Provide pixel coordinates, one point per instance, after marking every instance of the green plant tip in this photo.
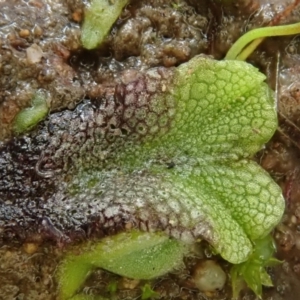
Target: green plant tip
(253, 270)
(98, 20)
(239, 50)
(29, 117)
(148, 293)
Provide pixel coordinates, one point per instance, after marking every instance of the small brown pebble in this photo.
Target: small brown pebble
(293, 219)
(37, 30)
(208, 276)
(7, 254)
(36, 3)
(209, 294)
(24, 33)
(11, 36)
(77, 15)
(129, 284)
(34, 54)
(30, 248)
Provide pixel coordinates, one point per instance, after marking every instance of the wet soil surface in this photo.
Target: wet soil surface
(40, 50)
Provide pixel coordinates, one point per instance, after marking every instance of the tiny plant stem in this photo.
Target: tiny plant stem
(258, 33)
(249, 49)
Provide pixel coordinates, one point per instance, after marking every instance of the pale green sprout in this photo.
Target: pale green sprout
(98, 20)
(243, 47)
(29, 117)
(253, 270)
(148, 292)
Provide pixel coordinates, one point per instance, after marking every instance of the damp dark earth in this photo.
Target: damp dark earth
(74, 92)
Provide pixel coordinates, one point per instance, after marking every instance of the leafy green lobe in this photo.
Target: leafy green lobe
(133, 254)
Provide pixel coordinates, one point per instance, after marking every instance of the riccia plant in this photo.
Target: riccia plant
(181, 165)
(185, 172)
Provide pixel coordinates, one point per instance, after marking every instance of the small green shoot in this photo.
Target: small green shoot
(29, 117)
(112, 287)
(98, 20)
(243, 47)
(252, 272)
(148, 292)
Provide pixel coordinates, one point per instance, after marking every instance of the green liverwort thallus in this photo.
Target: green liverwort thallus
(205, 126)
(208, 123)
